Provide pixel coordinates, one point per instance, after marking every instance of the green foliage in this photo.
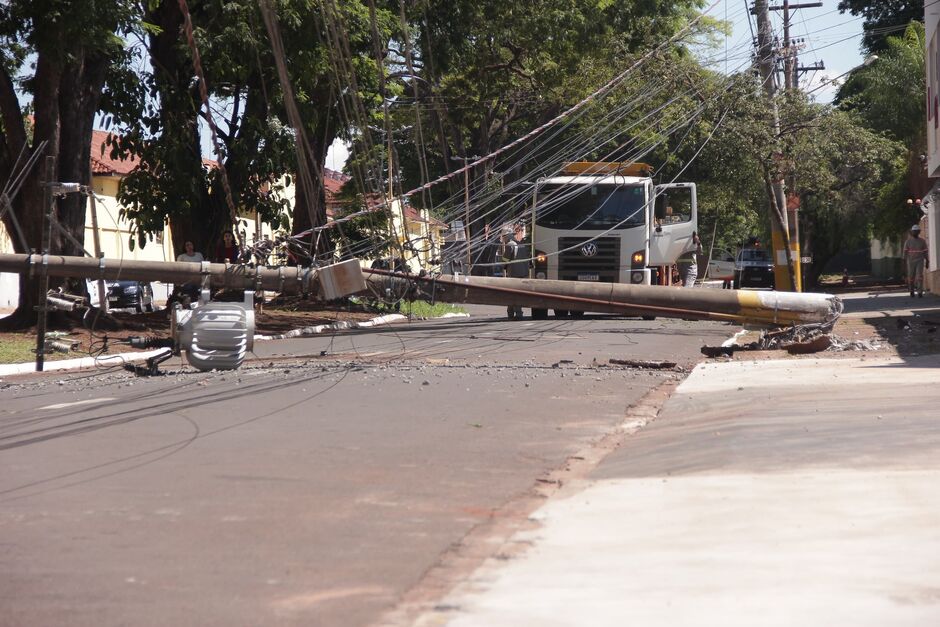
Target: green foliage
(881, 16)
(890, 94)
(365, 236)
(160, 121)
(54, 57)
(888, 97)
(418, 308)
(491, 71)
(840, 169)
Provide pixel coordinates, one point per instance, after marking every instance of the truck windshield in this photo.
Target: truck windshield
(591, 207)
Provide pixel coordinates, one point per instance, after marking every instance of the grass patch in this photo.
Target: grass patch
(417, 308)
(17, 348)
(422, 309)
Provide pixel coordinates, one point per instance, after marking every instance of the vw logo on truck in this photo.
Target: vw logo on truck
(589, 249)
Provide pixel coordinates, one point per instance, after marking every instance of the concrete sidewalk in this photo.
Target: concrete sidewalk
(777, 492)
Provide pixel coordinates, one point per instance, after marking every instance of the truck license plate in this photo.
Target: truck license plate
(589, 277)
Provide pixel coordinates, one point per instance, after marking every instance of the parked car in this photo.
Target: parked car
(721, 266)
(754, 267)
(136, 295)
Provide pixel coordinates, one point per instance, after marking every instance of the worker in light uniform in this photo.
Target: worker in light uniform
(688, 262)
(915, 253)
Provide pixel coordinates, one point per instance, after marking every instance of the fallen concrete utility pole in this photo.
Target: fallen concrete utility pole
(326, 283)
(746, 307)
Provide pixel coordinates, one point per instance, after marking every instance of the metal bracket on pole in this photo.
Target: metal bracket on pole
(204, 291)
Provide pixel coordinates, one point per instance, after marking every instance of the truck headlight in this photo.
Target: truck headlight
(539, 275)
(637, 277)
(638, 259)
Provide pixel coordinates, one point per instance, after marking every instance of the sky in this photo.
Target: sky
(827, 36)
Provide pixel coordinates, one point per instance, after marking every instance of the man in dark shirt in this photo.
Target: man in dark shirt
(227, 250)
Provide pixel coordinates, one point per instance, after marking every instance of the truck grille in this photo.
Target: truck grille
(573, 265)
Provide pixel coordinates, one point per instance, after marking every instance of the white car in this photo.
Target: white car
(721, 266)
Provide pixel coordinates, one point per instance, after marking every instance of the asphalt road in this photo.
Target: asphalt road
(327, 482)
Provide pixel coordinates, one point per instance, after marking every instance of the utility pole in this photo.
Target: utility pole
(466, 206)
(789, 56)
(785, 272)
(791, 75)
(791, 66)
(48, 199)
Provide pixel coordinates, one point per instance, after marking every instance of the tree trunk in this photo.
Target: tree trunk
(311, 212)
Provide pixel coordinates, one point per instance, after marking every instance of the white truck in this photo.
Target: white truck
(608, 222)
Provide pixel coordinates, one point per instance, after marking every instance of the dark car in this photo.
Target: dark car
(754, 267)
(136, 295)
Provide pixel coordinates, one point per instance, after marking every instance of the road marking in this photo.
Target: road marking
(76, 403)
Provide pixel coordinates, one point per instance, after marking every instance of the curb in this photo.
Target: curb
(122, 358)
(336, 326)
(81, 362)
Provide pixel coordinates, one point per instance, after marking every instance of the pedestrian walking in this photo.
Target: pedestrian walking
(688, 262)
(915, 253)
(484, 254)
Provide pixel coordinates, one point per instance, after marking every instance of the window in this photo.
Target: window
(591, 207)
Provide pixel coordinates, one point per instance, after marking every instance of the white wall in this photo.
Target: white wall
(931, 23)
(9, 282)
(932, 227)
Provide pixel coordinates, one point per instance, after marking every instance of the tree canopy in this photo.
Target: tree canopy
(57, 56)
(888, 97)
(883, 18)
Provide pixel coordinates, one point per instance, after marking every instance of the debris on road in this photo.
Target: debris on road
(815, 345)
(643, 363)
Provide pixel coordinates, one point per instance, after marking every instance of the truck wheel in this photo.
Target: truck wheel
(649, 317)
(561, 313)
(736, 282)
(539, 314)
(577, 314)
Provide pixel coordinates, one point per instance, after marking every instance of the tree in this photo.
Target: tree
(840, 169)
(486, 72)
(161, 126)
(57, 55)
(883, 18)
(888, 97)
